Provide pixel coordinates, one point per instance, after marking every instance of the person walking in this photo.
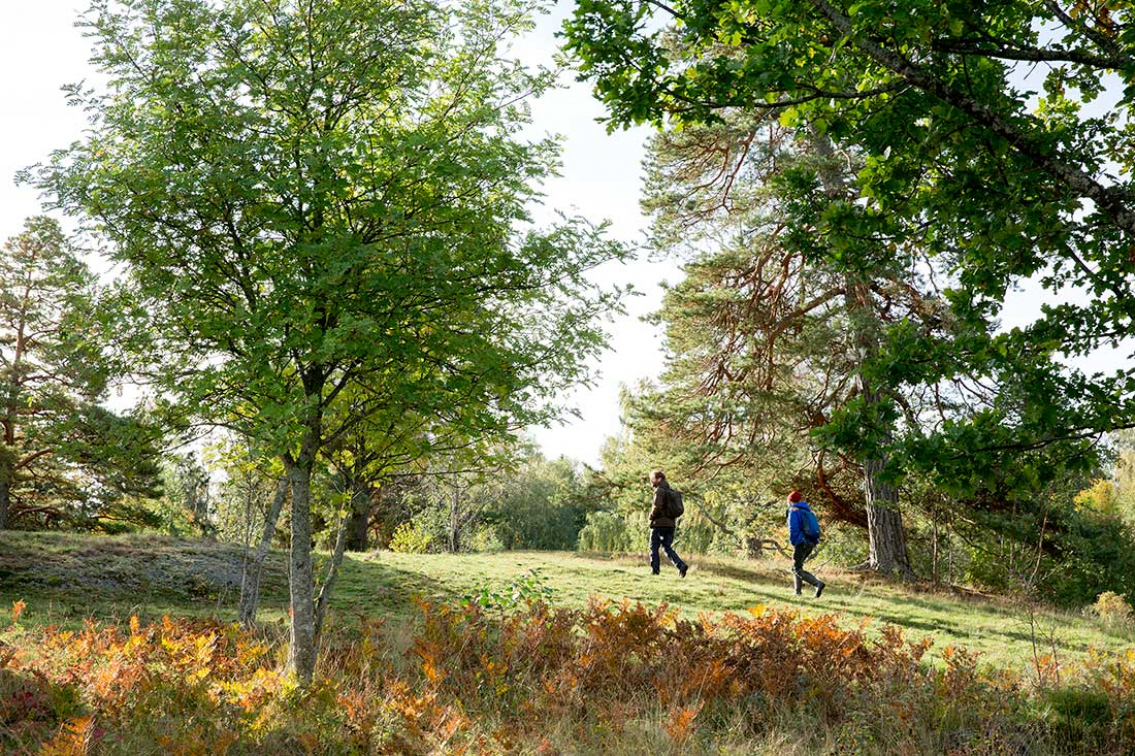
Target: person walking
(804, 534)
(663, 521)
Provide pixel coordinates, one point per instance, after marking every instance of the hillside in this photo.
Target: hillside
(65, 578)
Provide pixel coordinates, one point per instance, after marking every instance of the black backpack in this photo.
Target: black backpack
(677, 509)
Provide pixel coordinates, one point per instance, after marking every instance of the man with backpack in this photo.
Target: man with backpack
(804, 534)
(664, 516)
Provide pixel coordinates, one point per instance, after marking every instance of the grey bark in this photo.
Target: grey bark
(455, 523)
(301, 651)
(885, 533)
(329, 582)
(7, 474)
(5, 497)
(254, 567)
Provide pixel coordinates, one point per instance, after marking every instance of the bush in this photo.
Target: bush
(411, 538)
(1113, 610)
(1097, 555)
(606, 532)
(485, 538)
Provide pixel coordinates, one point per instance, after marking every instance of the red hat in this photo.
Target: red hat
(795, 496)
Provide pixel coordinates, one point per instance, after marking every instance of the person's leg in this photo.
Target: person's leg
(655, 542)
(667, 541)
(799, 554)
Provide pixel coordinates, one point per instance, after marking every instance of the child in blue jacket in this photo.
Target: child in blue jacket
(804, 534)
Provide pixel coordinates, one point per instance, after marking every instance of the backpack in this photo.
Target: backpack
(675, 506)
(809, 526)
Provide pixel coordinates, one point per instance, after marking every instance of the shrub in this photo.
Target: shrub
(605, 532)
(411, 538)
(1113, 610)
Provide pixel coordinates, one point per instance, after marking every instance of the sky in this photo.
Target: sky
(41, 50)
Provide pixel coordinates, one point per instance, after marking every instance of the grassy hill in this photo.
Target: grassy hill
(65, 578)
(398, 676)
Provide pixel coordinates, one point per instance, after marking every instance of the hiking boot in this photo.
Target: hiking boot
(682, 570)
(820, 589)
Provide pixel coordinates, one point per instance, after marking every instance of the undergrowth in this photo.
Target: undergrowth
(611, 678)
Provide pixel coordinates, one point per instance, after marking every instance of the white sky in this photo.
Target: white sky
(41, 50)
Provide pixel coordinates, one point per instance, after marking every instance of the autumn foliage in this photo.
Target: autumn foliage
(612, 678)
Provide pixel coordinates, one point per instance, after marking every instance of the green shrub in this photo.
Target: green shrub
(410, 538)
(1079, 716)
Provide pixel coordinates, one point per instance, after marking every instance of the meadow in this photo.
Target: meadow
(126, 645)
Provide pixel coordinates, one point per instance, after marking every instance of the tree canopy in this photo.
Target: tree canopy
(64, 457)
(320, 200)
(999, 172)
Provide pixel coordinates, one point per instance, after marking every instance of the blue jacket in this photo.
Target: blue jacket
(796, 523)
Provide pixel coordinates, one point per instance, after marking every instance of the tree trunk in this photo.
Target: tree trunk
(934, 552)
(358, 524)
(455, 521)
(885, 533)
(5, 492)
(301, 652)
(886, 537)
(253, 568)
(329, 582)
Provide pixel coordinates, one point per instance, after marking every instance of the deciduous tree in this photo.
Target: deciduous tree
(310, 198)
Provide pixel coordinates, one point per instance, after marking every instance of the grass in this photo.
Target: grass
(65, 578)
(424, 678)
(1002, 630)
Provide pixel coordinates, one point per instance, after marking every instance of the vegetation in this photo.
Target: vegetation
(488, 654)
(313, 223)
(56, 369)
(325, 229)
(66, 578)
(827, 171)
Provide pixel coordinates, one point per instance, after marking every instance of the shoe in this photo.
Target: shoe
(682, 570)
(652, 572)
(820, 589)
(797, 593)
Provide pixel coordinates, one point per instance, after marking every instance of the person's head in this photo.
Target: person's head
(657, 477)
(795, 497)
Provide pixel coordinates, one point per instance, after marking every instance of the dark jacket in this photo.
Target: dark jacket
(658, 516)
(796, 522)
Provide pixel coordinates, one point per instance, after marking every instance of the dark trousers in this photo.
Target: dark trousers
(664, 538)
(800, 552)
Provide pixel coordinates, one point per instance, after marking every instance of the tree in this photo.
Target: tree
(315, 201)
(766, 337)
(187, 488)
(250, 500)
(541, 505)
(63, 456)
(956, 163)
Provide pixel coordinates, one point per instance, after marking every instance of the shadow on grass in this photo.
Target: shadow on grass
(367, 584)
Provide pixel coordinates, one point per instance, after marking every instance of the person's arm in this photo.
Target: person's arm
(793, 526)
(659, 504)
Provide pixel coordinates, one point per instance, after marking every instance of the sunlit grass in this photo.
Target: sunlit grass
(65, 578)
